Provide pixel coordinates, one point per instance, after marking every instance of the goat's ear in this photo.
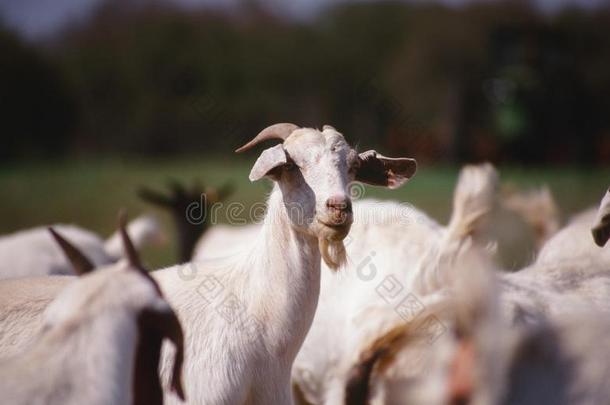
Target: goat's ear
(379, 170)
(269, 160)
(601, 229)
(80, 263)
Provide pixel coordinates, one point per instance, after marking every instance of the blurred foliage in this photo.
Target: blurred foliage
(37, 108)
(485, 81)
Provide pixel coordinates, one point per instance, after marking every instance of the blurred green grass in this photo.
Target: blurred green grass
(90, 193)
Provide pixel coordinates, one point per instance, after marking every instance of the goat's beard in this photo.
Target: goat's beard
(333, 252)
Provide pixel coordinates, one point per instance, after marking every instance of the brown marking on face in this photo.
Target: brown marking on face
(153, 327)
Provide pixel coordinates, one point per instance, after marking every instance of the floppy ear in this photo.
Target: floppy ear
(379, 170)
(267, 161)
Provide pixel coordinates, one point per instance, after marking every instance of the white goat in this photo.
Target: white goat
(481, 359)
(246, 318)
(394, 252)
(100, 341)
(32, 252)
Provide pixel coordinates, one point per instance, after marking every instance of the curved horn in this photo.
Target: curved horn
(79, 262)
(277, 131)
(130, 251)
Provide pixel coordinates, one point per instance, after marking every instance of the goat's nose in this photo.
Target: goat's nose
(340, 203)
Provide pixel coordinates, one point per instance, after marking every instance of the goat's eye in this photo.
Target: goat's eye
(290, 166)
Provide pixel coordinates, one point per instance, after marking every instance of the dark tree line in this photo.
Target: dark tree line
(487, 81)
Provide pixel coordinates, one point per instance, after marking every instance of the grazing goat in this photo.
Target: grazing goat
(100, 341)
(33, 252)
(394, 254)
(190, 210)
(246, 317)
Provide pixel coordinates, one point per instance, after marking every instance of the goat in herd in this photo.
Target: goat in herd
(404, 310)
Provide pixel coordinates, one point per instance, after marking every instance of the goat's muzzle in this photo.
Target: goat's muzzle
(338, 212)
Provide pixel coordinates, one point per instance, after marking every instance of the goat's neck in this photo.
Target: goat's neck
(93, 358)
(284, 269)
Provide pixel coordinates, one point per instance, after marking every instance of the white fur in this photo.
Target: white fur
(558, 302)
(538, 209)
(421, 256)
(571, 241)
(143, 231)
(275, 282)
(560, 360)
(85, 351)
(552, 296)
(575, 241)
(276, 287)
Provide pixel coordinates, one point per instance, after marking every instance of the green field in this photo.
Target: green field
(90, 193)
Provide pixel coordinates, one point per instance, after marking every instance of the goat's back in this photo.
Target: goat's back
(22, 304)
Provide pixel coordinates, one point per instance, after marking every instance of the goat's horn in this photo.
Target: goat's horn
(277, 131)
(130, 251)
(79, 261)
